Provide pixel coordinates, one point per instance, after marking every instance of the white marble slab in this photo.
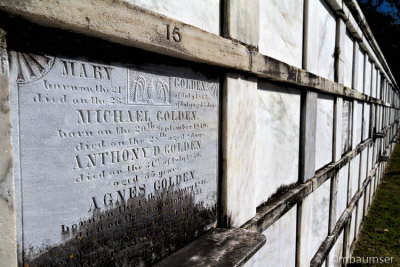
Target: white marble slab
(352, 229)
(347, 115)
(366, 121)
(324, 131)
(354, 175)
(357, 123)
(336, 252)
(360, 213)
(367, 76)
(322, 39)
(278, 135)
(370, 157)
(363, 166)
(243, 21)
(367, 198)
(240, 149)
(360, 70)
(314, 224)
(280, 248)
(374, 76)
(204, 14)
(281, 30)
(341, 197)
(378, 84)
(347, 57)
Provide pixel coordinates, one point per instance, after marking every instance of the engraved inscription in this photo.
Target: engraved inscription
(112, 156)
(174, 34)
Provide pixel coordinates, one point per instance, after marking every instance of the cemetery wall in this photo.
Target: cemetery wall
(278, 115)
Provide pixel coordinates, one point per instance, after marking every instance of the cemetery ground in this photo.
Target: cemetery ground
(380, 233)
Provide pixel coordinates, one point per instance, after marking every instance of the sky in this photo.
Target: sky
(386, 8)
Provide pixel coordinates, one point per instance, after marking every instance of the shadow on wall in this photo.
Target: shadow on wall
(136, 233)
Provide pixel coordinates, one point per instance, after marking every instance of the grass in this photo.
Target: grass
(380, 234)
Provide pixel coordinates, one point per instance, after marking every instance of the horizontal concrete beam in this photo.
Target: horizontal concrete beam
(123, 23)
(126, 24)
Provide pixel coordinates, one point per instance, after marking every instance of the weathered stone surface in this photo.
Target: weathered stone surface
(8, 245)
(280, 248)
(202, 14)
(347, 56)
(239, 147)
(278, 137)
(308, 138)
(324, 131)
(219, 247)
(347, 119)
(117, 161)
(282, 22)
(320, 39)
(242, 23)
(314, 222)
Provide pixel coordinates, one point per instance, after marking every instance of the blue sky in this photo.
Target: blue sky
(386, 8)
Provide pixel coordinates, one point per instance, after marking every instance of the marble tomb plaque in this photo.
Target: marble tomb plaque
(116, 163)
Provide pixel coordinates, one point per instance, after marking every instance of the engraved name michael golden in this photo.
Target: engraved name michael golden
(129, 116)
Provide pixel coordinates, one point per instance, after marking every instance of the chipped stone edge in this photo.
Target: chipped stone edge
(119, 22)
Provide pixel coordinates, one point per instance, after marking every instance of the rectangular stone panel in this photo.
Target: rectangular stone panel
(360, 70)
(282, 22)
(321, 39)
(202, 14)
(354, 175)
(363, 165)
(374, 76)
(280, 250)
(351, 234)
(366, 121)
(357, 123)
(336, 252)
(314, 222)
(342, 187)
(114, 162)
(239, 137)
(277, 139)
(324, 131)
(347, 57)
(360, 214)
(347, 116)
(378, 84)
(367, 76)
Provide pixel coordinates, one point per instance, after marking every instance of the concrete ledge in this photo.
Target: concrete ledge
(218, 247)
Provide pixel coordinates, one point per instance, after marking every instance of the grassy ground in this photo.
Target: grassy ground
(380, 234)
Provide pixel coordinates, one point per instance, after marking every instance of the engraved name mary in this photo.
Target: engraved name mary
(116, 163)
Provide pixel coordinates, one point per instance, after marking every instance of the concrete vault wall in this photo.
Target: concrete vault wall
(308, 117)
